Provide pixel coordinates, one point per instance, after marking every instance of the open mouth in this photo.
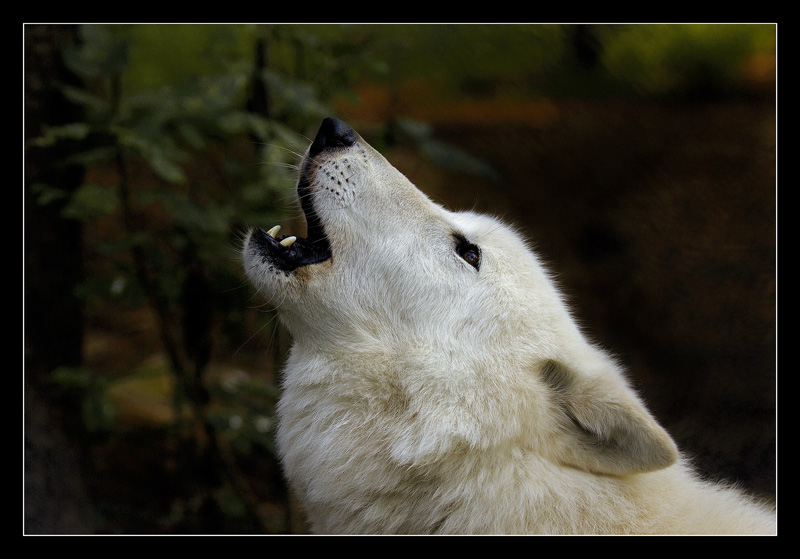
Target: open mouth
(287, 253)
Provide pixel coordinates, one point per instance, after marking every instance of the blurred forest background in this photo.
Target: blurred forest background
(641, 160)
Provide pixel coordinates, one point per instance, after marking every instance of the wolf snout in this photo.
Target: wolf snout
(332, 133)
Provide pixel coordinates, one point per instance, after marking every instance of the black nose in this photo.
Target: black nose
(332, 133)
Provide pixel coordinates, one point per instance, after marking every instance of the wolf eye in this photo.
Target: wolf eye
(471, 256)
(469, 252)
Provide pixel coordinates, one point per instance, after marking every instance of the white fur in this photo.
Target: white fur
(424, 396)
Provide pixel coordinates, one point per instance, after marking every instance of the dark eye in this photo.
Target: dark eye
(469, 252)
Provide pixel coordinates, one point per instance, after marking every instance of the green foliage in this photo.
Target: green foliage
(98, 411)
(187, 136)
(455, 52)
(679, 59)
(545, 60)
(441, 154)
(246, 412)
(91, 201)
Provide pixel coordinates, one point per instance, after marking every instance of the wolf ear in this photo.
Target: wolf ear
(606, 429)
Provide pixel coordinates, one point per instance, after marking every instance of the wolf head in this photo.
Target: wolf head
(451, 309)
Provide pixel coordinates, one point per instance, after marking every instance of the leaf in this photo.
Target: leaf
(96, 156)
(237, 122)
(86, 99)
(452, 158)
(191, 135)
(98, 409)
(160, 154)
(103, 50)
(52, 134)
(71, 377)
(45, 194)
(110, 248)
(113, 287)
(91, 201)
(164, 167)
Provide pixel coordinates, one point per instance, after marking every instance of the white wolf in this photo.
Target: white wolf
(437, 383)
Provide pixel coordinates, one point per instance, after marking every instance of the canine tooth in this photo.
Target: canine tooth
(288, 241)
(274, 231)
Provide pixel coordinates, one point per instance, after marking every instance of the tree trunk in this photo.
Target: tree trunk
(55, 500)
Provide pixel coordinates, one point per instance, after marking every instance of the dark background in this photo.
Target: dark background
(639, 159)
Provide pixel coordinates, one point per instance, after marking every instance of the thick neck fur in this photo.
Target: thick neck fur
(438, 383)
(351, 435)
